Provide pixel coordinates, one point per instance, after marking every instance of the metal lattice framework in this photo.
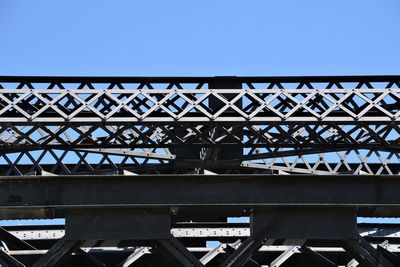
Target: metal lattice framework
(318, 125)
(146, 170)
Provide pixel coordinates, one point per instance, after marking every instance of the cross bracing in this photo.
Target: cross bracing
(92, 125)
(171, 105)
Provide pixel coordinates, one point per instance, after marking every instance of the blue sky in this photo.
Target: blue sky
(197, 38)
(218, 37)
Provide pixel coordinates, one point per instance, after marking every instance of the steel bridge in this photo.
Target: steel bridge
(147, 170)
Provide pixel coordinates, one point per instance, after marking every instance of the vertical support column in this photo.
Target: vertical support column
(208, 155)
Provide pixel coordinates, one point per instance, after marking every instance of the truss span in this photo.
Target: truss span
(94, 125)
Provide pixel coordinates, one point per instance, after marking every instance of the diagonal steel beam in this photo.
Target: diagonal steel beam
(250, 245)
(318, 257)
(57, 253)
(178, 253)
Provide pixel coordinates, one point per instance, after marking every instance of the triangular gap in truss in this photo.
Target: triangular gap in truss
(10, 85)
(175, 86)
(25, 85)
(379, 85)
(276, 85)
(98, 86)
(371, 156)
(288, 85)
(39, 86)
(350, 85)
(319, 85)
(85, 85)
(125, 86)
(334, 85)
(394, 85)
(163, 86)
(56, 86)
(115, 86)
(145, 86)
(303, 85)
(364, 85)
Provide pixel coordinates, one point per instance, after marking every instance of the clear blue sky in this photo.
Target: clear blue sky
(208, 37)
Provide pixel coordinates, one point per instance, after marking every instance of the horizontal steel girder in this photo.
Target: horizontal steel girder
(206, 190)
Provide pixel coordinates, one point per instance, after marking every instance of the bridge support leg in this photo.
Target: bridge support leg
(366, 254)
(294, 224)
(57, 253)
(177, 252)
(141, 225)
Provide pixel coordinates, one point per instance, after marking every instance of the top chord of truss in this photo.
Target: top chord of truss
(253, 99)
